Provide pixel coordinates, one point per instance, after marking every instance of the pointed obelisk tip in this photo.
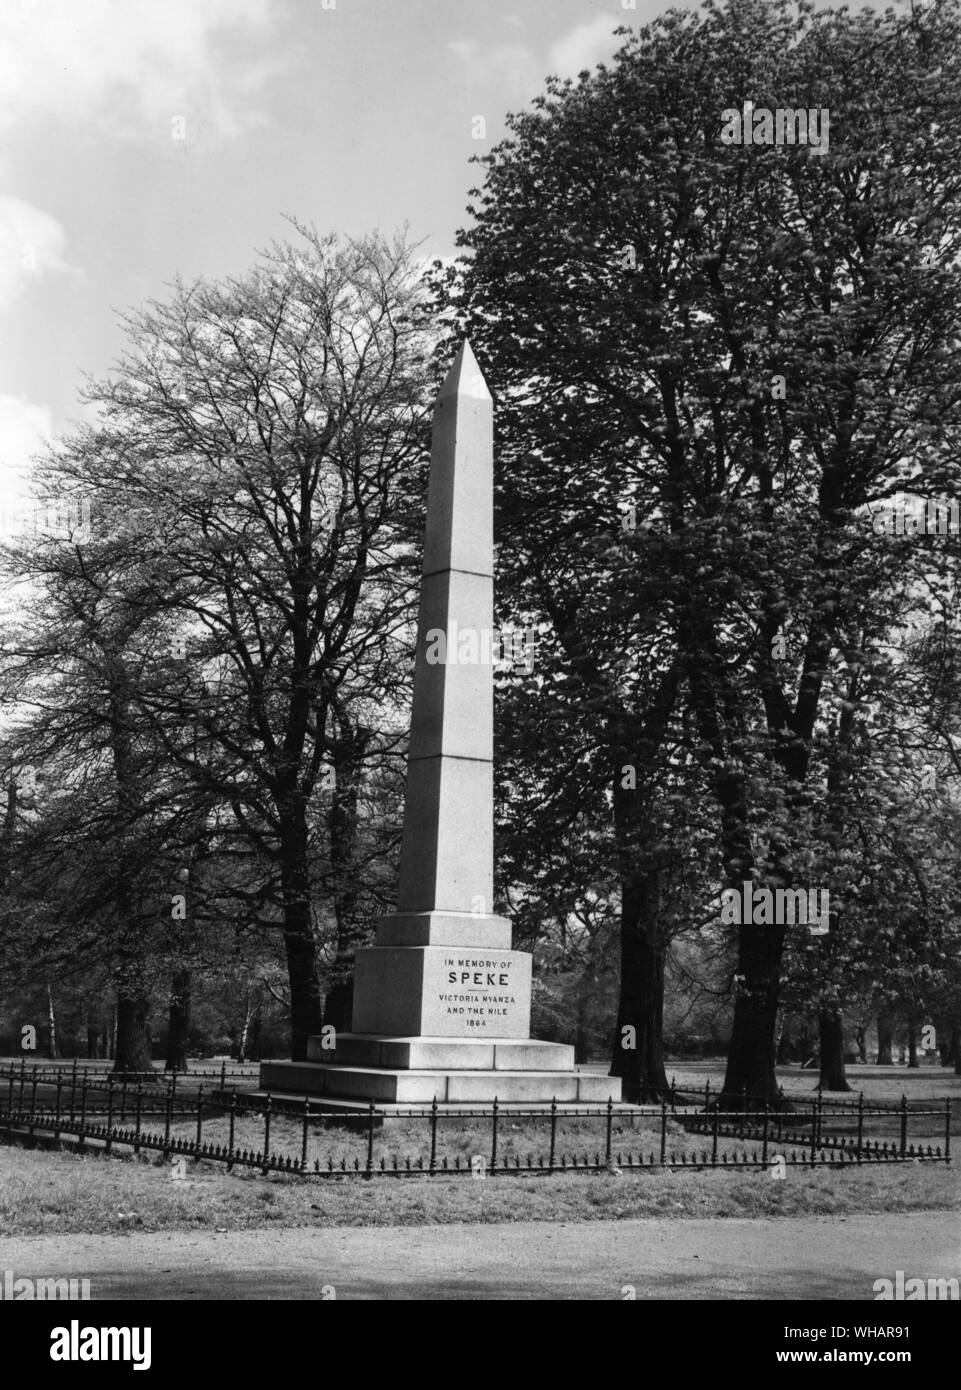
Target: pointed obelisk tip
(465, 377)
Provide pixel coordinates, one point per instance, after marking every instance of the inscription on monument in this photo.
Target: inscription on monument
(481, 989)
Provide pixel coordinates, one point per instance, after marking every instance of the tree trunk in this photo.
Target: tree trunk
(306, 1016)
(913, 1041)
(132, 1051)
(885, 1039)
(305, 1011)
(348, 756)
(957, 1047)
(750, 1070)
(582, 1030)
(242, 1045)
(52, 1021)
(339, 1006)
(257, 1028)
(178, 1023)
(639, 1055)
(862, 1042)
(750, 1077)
(831, 1049)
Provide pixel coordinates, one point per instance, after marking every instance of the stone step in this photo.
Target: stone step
(460, 930)
(441, 1054)
(397, 1086)
(359, 1109)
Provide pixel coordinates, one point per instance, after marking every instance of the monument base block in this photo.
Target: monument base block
(440, 1054)
(412, 1071)
(442, 992)
(466, 930)
(414, 1086)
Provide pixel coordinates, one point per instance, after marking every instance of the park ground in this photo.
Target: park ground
(837, 1258)
(136, 1232)
(43, 1192)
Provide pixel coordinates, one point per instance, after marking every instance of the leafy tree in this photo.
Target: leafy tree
(257, 482)
(751, 348)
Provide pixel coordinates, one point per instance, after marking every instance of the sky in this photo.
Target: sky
(146, 139)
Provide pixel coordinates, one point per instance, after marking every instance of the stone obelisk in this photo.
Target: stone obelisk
(445, 894)
(441, 1001)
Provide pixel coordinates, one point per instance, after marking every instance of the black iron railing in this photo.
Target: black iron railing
(111, 1112)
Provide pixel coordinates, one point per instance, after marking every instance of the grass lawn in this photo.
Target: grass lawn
(57, 1192)
(49, 1191)
(924, 1083)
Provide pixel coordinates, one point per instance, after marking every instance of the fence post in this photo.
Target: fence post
(553, 1132)
(814, 1132)
(136, 1133)
(123, 1097)
(610, 1126)
(764, 1137)
(947, 1130)
(663, 1131)
(56, 1106)
(494, 1138)
(200, 1117)
(714, 1136)
(23, 1078)
(223, 1076)
(166, 1147)
(33, 1102)
(73, 1087)
(230, 1139)
(109, 1144)
(369, 1169)
(303, 1139)
(819, 1107)
(707, 1094)
(10, 1091)
(433, 1136)
(83, 1109)
(267, 1106)
(904, 1124)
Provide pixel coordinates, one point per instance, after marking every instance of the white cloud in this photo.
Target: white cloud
(32, 244)
(585, 46)
(25, 429)
(126, 64)
(515, 60)
(465, 49)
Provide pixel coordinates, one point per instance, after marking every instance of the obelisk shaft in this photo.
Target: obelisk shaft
(442, 965)
(447, 854)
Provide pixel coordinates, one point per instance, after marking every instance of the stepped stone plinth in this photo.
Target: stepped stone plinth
(442, 1003)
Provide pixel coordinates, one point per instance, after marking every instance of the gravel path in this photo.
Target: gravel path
(788, 1258)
